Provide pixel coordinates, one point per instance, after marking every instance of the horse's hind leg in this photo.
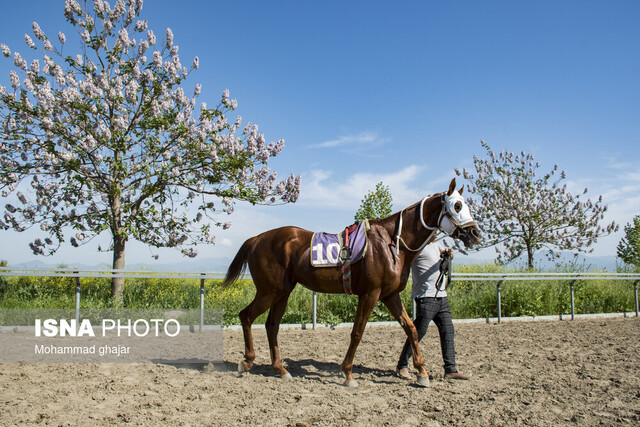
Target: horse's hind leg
(259, 305)
(273, 326)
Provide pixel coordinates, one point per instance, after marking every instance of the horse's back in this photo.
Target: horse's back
(288, 236)
(279, 247)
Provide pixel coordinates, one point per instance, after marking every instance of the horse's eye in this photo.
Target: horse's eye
(457, 207)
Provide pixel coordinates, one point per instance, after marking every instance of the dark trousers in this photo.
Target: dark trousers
(438, 310)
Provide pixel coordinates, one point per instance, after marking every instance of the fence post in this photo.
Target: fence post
(202, 302)
(315, 309)
(499, 302)
(77, 297)
(635, 294)
(573, 304)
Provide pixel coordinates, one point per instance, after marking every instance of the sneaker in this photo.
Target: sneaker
(403, 373)
(456, 376)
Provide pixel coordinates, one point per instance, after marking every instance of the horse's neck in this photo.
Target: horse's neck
(390, 224)
(413, 233)
(413, 230)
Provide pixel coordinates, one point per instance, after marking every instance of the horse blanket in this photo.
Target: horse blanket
(327, 249)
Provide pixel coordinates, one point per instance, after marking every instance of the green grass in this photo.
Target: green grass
(468, 299)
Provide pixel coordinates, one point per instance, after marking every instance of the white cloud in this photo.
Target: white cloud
(619, 184)
(327, 190)
(359, 140)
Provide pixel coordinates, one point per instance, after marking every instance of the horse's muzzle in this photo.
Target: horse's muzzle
(470, 235)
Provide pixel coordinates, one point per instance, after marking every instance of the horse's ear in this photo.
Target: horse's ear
(461, 190)
(452, 187)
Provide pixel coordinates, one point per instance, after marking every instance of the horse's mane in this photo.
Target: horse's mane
(390, 222)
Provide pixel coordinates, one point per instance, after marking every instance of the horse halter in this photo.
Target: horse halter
(458, 214)
(454, 214)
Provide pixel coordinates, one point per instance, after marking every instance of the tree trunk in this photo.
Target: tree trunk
(530, 256)
(117, 283)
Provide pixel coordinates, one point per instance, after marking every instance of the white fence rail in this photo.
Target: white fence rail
(499, 278)
(110, 274)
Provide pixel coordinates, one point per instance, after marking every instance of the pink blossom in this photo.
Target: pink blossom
(119, 9)
(157, 59)
(35, 66)
(19, 62)
(29, 42)
(123, 37)
(37, 31)
(15, 80)
(141, 26)
(151, 37)
(169, 38)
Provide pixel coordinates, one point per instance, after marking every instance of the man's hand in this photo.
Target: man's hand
(447, 251)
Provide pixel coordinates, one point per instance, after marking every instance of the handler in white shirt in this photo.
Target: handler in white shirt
(431, 304)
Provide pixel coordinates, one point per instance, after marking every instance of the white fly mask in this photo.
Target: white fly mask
(454, 214)
(457, 214)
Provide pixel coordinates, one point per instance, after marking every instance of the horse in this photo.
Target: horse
(279, 259)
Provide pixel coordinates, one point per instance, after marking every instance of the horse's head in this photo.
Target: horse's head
(456, 220)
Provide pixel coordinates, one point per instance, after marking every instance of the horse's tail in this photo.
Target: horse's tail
(239, 263)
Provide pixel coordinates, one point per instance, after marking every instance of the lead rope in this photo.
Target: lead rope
(434, 230)
(445, 269)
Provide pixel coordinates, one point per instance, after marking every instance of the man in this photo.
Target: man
(432, 304)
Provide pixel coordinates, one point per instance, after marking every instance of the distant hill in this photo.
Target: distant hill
(203, 265)
(597, 263)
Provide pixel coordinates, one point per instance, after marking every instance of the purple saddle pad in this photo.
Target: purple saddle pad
(325, 247)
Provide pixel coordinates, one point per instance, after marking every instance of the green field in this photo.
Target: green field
(468, 299)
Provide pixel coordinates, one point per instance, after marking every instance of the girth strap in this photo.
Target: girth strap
(345, 259)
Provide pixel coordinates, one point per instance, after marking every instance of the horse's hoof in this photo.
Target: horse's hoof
(351, 384)
(242, 368)
(286, 376)
(423, 381)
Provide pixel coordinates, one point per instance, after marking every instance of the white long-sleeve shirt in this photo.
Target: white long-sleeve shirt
(425, 270)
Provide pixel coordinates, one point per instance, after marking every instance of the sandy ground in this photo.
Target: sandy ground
(582, 372)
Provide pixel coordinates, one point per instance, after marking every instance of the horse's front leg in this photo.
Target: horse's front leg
(366, 303)
(395, 306)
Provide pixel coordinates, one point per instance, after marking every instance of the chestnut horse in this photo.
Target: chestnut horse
(279, 259)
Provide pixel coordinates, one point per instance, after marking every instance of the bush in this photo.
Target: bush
(230, 299)
(161, 293)
(613, 297)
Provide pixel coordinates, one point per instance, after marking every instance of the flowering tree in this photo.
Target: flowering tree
(628, 249)
(376, 204)
(521, 213)
(108, 140)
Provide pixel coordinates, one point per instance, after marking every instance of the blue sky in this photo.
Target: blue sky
(399, 92)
